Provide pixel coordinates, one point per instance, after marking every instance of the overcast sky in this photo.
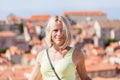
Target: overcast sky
(26, 8)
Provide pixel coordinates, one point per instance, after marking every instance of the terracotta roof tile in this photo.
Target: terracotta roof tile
(102, 78)
(30, 56)
(37, 17)
(15, 18)
(25, 19)
(110, 23)
(85, 13)
(100, 67)
(40, 17)
(16, 72)
(7, 34)
(92, 60)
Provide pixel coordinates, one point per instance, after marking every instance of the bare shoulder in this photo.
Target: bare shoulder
(78, 52)
(40, 55)
(78, 55)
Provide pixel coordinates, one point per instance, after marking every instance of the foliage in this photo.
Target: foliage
(3, 50)
(20, 27)
(109, 41)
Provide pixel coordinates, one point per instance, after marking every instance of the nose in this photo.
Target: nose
(59, 32)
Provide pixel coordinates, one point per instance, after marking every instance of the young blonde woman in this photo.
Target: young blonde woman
(65, 60)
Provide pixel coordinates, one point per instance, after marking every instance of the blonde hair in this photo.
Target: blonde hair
(66, 26)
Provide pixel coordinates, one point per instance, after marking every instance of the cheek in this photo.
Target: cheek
(64, 36)
(51, 37)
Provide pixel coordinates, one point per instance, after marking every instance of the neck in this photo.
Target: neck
(57, 48)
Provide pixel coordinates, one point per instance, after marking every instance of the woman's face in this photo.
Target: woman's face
(58, 34)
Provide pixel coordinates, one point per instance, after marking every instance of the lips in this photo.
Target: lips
(58, 39)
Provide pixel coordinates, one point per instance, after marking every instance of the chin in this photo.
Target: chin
(60, 44)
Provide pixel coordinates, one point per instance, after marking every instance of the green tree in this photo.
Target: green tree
(109, 41)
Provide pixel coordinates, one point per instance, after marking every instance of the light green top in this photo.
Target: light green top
(65, 67)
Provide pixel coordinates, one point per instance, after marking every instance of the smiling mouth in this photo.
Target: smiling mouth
(59, 39)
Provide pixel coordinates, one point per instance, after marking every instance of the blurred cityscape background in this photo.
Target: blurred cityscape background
(95, 28)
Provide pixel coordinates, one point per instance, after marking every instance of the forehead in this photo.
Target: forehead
(57, 24)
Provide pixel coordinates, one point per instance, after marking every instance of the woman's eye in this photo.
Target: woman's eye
(62, 31)
(55, 30)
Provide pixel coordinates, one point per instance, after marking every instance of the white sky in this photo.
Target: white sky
(26, 8)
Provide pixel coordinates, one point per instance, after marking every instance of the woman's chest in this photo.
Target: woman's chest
(61, 66)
